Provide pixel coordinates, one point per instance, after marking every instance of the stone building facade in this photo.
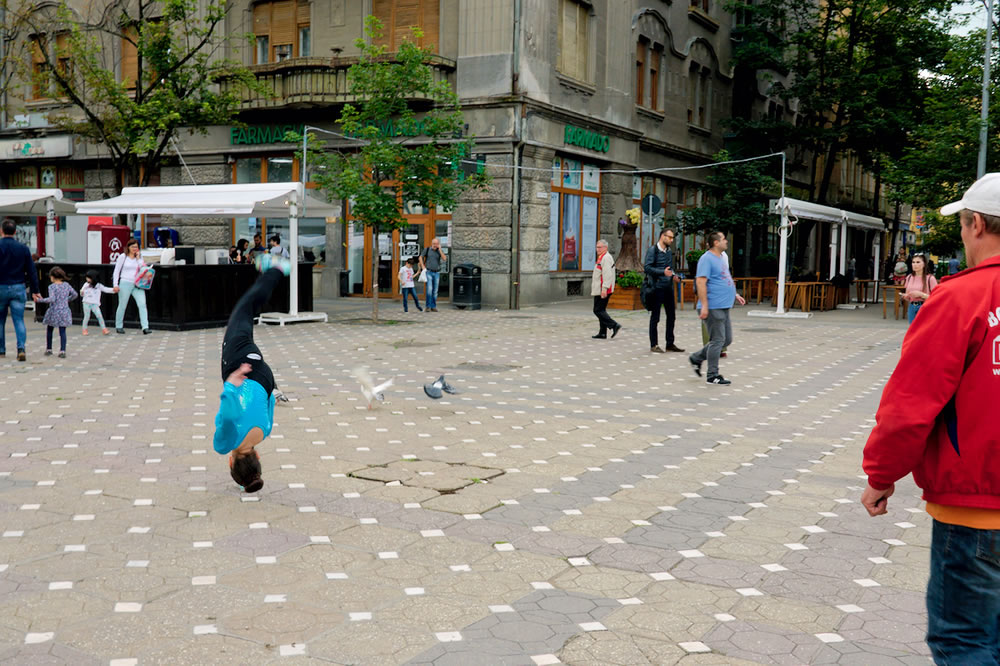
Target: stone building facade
(577, 108)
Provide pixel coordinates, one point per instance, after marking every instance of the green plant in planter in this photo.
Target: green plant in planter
(629, 279)
(693, 256)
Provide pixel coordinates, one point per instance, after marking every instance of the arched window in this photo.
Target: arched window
(700, 84)
(650, 61)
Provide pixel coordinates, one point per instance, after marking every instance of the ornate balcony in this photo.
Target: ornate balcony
(310, 82)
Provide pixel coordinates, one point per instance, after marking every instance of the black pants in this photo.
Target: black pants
(238, 346)
(601, 310)
(662, 297)
(62, 338)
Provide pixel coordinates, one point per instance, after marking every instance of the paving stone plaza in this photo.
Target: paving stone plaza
(579, 502)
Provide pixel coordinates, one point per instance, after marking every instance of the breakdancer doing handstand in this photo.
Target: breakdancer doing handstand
(246, 406)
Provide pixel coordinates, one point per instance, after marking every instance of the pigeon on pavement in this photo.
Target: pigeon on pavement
(434, 389)
(369, 390)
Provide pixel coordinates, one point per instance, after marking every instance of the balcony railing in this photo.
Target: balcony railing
(309, 82)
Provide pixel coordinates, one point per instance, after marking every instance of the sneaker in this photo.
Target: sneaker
(718, 379)
(3, 354)
(20, 356)
(656, 350)
(615, 330)
(266, 262)
(600, 337)
(120, 331)
(62, 354)
(673, 348)
(695, 366)
(147, 331)
(48, 352)
(104, 331)
(85, 332)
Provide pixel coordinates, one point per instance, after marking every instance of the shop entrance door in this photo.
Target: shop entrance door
(394, 248)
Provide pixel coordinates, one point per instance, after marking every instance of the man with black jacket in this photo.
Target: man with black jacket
(16, 270)
(659, 267)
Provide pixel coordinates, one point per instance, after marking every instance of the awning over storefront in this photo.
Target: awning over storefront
(806, 210)
(247, 200)
(278, 200)
(34, 202)
(863, 221)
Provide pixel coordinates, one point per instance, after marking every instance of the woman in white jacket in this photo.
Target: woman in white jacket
(127, 269)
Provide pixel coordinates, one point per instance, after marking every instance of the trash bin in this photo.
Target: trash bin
(466, 287)
(345, 283)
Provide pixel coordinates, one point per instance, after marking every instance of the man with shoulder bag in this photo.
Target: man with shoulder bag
(659, 268)
(432, 259)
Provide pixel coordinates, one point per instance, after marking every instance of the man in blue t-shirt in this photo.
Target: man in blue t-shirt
(716, 293)
(246, 405)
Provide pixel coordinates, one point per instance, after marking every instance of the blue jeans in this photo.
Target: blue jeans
(433, 279)
(911, 312)
(126, 289)
(12, 297)
(410, 291)
(963, 595)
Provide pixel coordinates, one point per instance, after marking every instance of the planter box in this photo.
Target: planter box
(625, 298)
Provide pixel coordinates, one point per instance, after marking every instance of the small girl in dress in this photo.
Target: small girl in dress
(58, 314)
(91, 295)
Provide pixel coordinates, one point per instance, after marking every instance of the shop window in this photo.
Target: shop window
(398, 16)
(271, 169)
(574, 52)
(573, 215)
(281, 31)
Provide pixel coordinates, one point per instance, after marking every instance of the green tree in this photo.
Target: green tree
(420, 159)
(853, 70)
(736, 201)
(178, 46)
(944, 234)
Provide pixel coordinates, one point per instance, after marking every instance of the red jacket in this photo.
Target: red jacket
(936, 417)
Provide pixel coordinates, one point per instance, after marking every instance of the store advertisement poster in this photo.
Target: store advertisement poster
(589, 232)
(591, 178)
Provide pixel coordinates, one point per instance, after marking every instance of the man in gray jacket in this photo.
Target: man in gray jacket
(659, 267)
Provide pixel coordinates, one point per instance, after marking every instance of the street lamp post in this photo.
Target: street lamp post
(985, 111)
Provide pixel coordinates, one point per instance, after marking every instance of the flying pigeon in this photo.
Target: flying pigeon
(433, 390)
(368, 388)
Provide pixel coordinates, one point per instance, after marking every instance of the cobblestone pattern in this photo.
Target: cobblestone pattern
(580, 501)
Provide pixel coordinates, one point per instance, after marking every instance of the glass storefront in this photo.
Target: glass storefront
(574, 211)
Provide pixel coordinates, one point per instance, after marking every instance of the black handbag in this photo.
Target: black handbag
(646, 292)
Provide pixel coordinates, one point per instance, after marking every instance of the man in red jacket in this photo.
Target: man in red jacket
(937, 420)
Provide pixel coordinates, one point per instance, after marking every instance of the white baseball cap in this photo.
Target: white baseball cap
(982, 197)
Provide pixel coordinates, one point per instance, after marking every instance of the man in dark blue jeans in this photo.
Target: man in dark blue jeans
(16, 269)
(937, 420)
(659, 267)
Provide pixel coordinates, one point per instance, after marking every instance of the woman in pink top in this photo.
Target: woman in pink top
(918, 285)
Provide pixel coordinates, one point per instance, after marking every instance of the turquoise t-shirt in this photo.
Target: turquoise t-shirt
(242, 408)
(721, 288)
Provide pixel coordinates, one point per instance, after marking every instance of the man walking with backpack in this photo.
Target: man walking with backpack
(659, 267)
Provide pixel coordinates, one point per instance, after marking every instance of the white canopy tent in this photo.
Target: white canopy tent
(277, 200)
(47, 202)
(791, 210)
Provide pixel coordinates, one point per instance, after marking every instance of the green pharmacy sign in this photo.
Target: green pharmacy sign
(576, 136)
(255, 135)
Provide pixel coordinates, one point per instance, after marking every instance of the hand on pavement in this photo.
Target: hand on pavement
(237, 377)
(877, 501)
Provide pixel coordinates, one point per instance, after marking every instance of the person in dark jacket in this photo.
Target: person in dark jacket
(659, 266)
(16, 270)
